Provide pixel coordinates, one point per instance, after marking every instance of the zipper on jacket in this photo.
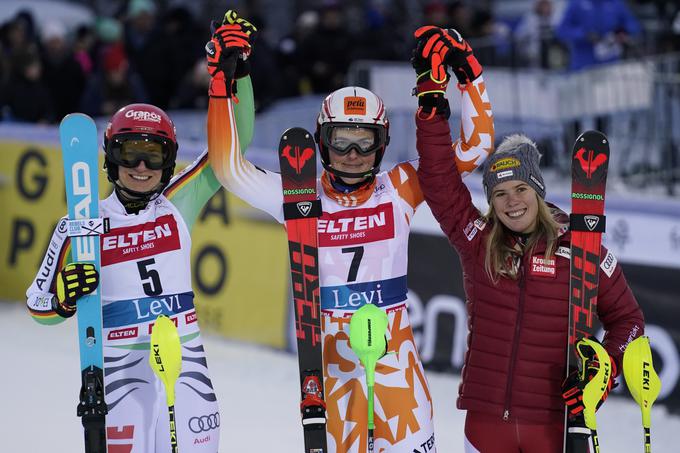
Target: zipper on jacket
(515, 343)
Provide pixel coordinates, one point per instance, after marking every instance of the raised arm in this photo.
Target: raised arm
(442, 161)
(191, 189)
(258, 187)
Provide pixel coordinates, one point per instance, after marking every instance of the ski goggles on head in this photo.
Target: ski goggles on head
(156, 152)
(364, 139)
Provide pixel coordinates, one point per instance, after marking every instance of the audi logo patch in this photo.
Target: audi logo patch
(204, 423)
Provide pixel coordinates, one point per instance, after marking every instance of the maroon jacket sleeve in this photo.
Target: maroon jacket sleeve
(441, 183)
(617, 308)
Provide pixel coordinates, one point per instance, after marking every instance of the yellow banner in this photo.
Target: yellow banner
(239, 259)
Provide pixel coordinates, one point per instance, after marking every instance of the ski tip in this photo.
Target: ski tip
(296, 132)
(591, 136)
(77, 121)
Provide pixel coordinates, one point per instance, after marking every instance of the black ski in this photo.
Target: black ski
(590, 159)
(301, 208)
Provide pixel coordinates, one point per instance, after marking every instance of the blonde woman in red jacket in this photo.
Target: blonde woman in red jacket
(515, 261)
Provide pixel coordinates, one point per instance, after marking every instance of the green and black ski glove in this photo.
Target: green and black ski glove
(74, 281)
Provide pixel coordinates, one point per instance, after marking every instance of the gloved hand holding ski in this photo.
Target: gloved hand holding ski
(74, 281)
(598, 371)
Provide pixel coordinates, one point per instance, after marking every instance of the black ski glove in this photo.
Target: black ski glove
(447, 46)
(573, 385)
(432, 78)
(74, 281)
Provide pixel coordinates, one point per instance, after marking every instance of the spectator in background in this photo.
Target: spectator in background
(26, 97)
(325, 53)
(192, 92)
(140, 24)
(668, 38)
(490, 38)
(16, 36)
(436, 13)
(289, 55)
(162, 47)
(19, 34)
(115, 85)
(380, 38)
(596, 31)
(83, 47)
(63, 75)
(535, 41)
(263, 62)
(141, 33)
(460, 17)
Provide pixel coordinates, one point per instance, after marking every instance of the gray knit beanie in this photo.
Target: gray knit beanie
(516, 158)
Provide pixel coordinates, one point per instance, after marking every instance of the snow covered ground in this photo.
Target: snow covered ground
(256, 388)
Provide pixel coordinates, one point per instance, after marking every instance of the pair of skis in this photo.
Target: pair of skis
(80, 153)
(590, 159)
(301, 208)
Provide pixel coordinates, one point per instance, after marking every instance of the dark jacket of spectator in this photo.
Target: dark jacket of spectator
(26, 96)
(113, 87)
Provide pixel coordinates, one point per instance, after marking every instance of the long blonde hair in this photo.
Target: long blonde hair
(501, 255)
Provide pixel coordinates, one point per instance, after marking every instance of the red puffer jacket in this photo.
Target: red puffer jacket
(515, 362)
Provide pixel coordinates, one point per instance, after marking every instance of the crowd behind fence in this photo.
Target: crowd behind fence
(635, 102)
(152, 51)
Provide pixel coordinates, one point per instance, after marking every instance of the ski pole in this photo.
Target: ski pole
(642, 381)
(166, 362)
(367, 339)
(595, 387)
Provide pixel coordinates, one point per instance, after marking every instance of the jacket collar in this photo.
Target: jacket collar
(350, 199)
